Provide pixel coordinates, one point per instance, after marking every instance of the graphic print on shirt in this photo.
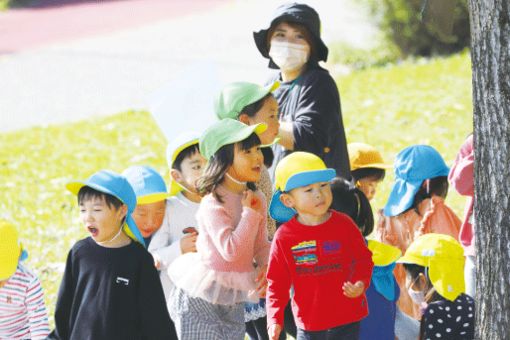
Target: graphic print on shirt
(305, 253)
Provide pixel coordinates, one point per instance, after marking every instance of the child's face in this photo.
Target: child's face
(100, 220)
(191, 169)
(368, 185)
(314, 199)
(247, 164)
(268, 114)
(149, 217)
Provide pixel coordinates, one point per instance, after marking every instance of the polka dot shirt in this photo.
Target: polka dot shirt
(446, 319)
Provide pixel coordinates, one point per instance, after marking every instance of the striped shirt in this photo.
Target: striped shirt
(22, 311)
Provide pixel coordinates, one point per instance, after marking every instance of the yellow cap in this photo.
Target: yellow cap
(383, 254)
(363, 155)
(10, 250)
(296, 170)
(176, 146)
(444, 258)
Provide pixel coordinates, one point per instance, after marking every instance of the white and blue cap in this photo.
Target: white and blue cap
(296, 170)
(147, 183)
(413, 165)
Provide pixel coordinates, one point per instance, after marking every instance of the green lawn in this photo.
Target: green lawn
(425, 101)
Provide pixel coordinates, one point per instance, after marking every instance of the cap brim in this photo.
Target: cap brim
(383, 254)
(374, 165)
(278, 211)
(305, 178)
(410, 259)
(152, 198)
(401, 197)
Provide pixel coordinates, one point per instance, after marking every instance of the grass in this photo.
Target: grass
(425, 101)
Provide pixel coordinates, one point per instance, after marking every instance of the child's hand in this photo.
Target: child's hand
(274, 331)
(261, 281)
(353, 290)
(251, 200)
(157, 261)
(188, 243)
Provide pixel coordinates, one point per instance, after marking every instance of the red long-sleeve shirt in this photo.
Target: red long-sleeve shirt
(316, 261)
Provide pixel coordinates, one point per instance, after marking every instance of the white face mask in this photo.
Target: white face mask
(418, 297)
(288, 56)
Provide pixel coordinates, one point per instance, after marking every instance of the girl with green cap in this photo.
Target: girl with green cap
(212, 285)
(253, 104)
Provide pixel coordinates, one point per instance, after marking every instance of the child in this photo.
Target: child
(416, 206)
(110, 288)
(316, 251)
(22, 311)
(213, 284)
(384, 321)
(151, 194)
(178, 234)
(434, 266)
(252, 104)
(461, 177)
(367, 167)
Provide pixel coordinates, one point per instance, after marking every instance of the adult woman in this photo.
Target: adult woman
(310, 114)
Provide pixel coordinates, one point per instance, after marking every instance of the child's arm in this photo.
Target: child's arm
(37, 314)
(361, 262)
(278, 285)
(262, 244)
(163, 248)
(154, 319)
(64, 302)
(230, 240)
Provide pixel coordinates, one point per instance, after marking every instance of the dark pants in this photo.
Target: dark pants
(289, 325)
(347, 332)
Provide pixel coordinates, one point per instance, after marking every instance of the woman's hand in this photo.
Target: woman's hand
(353, 290)
(274, 331)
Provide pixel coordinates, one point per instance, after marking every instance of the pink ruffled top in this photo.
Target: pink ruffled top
(231, 239)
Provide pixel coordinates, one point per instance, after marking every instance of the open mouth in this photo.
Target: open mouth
(93, 231)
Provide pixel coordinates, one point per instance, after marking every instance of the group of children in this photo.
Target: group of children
(215, 267)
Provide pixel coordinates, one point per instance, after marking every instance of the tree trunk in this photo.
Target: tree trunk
(490, 55)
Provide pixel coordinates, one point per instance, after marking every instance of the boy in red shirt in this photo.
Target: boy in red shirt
(318, 252)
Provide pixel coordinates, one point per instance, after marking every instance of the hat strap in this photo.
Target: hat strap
(235, 180)
(113, 238)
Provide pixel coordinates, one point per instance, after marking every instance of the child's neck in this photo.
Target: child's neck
(121, 241)
(233, 186)
(192, 196)
(313, 220)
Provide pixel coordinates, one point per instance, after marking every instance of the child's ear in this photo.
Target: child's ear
(176, 175)
(287, 200)
(123, 210)
(243, 118)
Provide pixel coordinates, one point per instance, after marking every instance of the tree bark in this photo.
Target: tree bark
(490, 55)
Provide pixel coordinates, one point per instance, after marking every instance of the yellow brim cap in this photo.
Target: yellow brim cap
(383, 254)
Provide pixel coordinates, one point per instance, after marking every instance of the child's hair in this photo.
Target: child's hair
(352, 202)
(251, 109)
(86, 193)
(219, 164)
(375, 173)
(438, 186)
(185, 153)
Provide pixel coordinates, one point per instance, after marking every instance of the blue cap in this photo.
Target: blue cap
(110, 182)
(413, 165)
(147, 183)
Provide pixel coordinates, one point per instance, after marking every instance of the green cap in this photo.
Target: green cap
(224, 132)
(236, 96)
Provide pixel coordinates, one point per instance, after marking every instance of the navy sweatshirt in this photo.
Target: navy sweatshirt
(312, 103)
(110, 293)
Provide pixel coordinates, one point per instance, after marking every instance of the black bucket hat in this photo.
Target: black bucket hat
(299, 14)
